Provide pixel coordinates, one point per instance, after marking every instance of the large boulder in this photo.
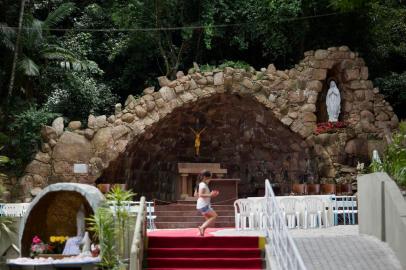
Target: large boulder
(103, 139)
(72, 147)
(58, 125)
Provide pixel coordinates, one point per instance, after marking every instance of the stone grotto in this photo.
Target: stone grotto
(258, 124)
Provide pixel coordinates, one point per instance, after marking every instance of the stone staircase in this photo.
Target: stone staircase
(184, 215)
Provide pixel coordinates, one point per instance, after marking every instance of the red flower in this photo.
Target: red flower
(36, 240)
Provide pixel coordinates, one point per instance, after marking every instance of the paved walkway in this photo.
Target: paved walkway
(341, 247)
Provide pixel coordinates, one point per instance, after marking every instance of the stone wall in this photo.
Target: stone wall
(288, 100)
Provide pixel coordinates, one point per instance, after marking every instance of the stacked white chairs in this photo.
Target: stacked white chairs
(291, 212)
(259, 208)
(314, 207)
(244, 214)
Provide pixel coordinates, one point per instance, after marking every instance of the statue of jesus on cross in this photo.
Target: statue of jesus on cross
(197, 139)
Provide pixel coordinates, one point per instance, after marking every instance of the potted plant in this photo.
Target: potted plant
(328, 187)
(39, 247)
(110, 226)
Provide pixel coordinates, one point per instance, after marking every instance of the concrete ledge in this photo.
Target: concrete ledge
(382, 211)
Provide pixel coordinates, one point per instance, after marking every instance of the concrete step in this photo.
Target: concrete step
(178, 225)
(177, 219)
(191, 213)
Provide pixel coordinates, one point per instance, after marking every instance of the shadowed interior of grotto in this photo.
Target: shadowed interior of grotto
(54, 214)
(239, 133)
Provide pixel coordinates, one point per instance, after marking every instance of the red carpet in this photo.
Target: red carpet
(210, 252)
(182, 232)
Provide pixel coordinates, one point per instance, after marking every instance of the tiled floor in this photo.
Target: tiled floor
(342, 248)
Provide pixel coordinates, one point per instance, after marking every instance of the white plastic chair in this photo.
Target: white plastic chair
(314, 207)
(151, 217)
(259, 209)
(243, 214)
(291, 214)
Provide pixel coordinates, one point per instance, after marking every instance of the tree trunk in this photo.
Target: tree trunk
(16, 49)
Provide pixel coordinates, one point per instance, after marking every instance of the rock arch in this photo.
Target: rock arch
(290, 95)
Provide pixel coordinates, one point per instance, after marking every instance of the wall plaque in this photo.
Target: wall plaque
(80, 168)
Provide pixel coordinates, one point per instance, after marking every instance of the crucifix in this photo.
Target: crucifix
(197, 139)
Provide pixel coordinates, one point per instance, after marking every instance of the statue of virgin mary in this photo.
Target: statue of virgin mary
(333, 101)
(72, 245)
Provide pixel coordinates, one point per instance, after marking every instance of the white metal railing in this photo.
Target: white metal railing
(344, 209)
(284, 253)
(137, 246)
(133, 207)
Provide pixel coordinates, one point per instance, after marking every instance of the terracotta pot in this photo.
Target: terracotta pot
(346, 189)
(122, 186)
(299, 189)
(328, 188)
(313, 189)
(104, 188)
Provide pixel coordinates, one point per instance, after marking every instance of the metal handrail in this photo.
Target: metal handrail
(137, 246)
(284, 251)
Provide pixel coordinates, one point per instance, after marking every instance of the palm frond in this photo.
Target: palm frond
(7, 36)
(6, 227)
(59, 14)
(32, 34)
(57, 53)
(82, 65)
(4, 159)
(28, 67)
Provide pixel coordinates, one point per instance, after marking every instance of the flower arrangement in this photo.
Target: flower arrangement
(329, 127)
(39, 247)
(58, 242)
(58, 239)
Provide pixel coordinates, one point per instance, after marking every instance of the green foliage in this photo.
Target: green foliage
(102, 226)
(3, 160)
(111, 227)
(37, 48)
(226, 63)
(376, 166)
(393, 87)
(235, 64)
(386, 38)
(25, 132)
(7, 228)
(394, 159)
(349, 5)
(395, 156)
(78, 96)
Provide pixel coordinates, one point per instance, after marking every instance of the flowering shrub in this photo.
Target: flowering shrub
(329, 127)
(39, 247)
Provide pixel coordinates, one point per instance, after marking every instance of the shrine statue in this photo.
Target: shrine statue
(333, 102)
(86, 242)
(197, 140)
(73, 243)
(375, 156)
